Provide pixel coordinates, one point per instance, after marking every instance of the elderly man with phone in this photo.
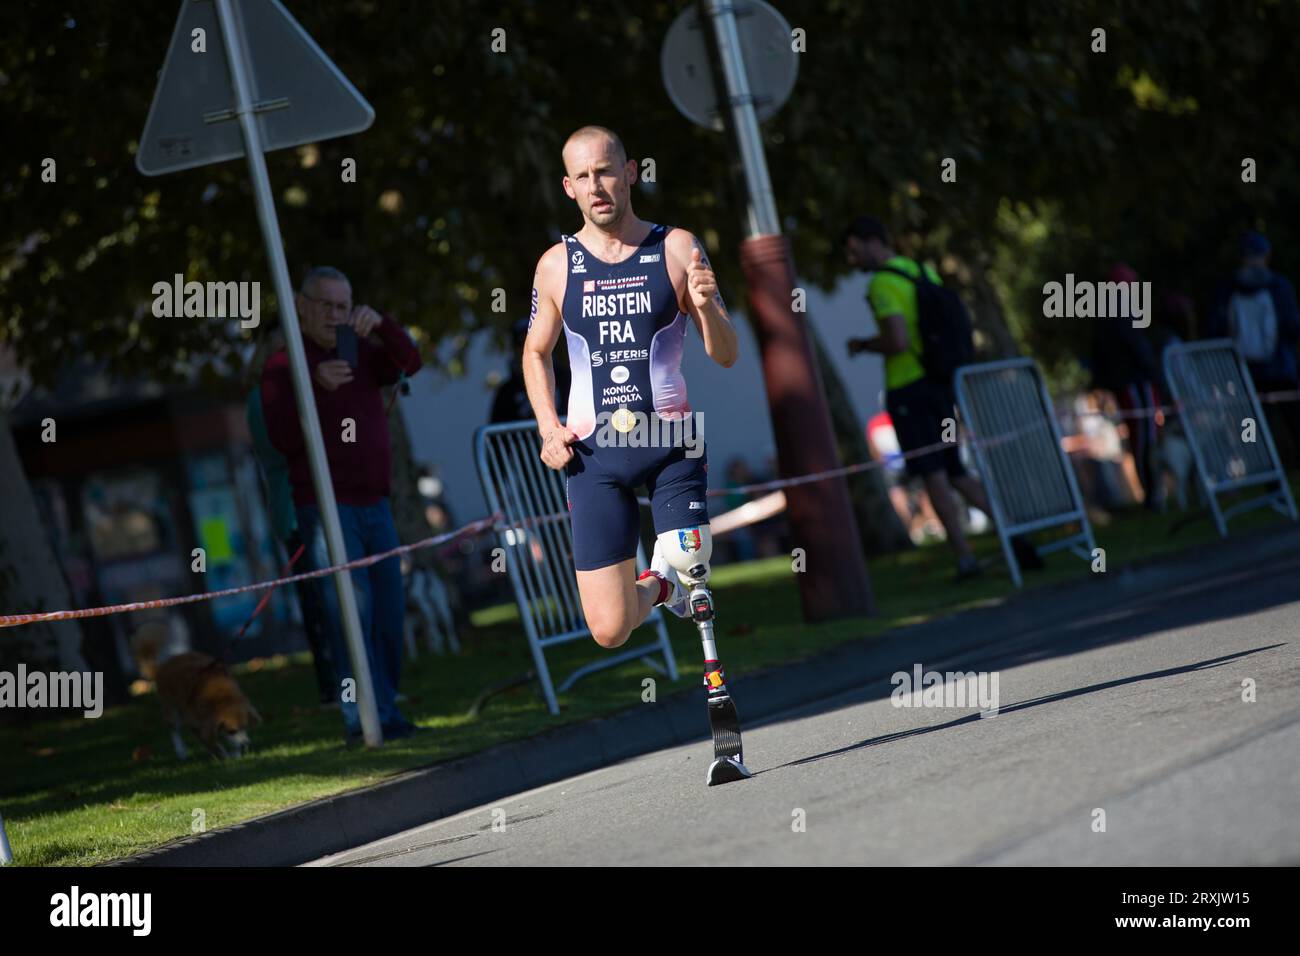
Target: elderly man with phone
(352, 352)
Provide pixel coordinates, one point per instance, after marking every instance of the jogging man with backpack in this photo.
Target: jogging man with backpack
(1256, 308)
(925, 335)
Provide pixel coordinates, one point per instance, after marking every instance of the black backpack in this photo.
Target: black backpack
(946, 339)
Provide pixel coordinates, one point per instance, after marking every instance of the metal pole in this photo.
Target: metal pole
(762, 203)
(836, 583)
(232, 35)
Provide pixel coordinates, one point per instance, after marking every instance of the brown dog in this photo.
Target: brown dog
(196, 691)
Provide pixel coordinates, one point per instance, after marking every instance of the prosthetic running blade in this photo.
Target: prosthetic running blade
(728, 753)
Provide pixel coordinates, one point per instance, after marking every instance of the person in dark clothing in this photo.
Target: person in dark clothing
(284, 524)
(354, 427)
(510, 402)
(1126, 364)
(917, 405)
(1256, 308)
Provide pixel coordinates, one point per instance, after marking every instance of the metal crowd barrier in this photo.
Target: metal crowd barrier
(1212, 388)
(538, 543)
(1027, 476)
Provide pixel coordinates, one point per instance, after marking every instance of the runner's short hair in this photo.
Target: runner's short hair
(585, 131)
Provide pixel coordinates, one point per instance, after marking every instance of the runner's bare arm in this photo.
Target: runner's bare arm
(698, 296)
(544, 326)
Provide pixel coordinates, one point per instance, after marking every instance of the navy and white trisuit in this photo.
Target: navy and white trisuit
(625, 334)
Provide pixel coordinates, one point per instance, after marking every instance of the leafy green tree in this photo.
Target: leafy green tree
(1067, 158)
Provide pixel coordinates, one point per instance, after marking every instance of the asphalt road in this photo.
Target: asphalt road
(1135, 709)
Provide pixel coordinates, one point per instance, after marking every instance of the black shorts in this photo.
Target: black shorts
(918, 411)
(601, 488)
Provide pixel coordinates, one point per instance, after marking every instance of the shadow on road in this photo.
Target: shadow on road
(1022, 705)
(1061, 623)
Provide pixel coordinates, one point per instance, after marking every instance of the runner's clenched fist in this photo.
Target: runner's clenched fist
(555, 447)
(701, 281)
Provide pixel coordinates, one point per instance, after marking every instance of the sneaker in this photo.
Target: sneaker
(970, 568)
(676, 602)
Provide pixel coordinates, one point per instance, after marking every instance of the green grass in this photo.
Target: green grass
(79, 792)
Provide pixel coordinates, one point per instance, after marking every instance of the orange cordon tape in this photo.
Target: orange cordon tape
(490, 523)
(778, 483)
(475, 527)
(14, 620)
(1149, 411)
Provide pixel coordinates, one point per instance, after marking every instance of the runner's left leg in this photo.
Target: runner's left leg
(613, 603)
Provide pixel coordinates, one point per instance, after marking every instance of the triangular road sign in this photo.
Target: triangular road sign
(299, 95)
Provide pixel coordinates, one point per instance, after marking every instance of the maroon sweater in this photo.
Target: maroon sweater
(360, 469)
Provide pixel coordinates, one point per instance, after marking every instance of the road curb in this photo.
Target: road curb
(415, 797)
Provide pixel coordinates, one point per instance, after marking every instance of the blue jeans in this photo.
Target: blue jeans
(381, 600)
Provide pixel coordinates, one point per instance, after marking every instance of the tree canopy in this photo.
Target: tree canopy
(1066, 158)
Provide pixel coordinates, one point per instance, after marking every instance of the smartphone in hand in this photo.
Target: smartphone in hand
(345, 346)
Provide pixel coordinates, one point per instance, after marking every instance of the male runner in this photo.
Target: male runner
(621, 289)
